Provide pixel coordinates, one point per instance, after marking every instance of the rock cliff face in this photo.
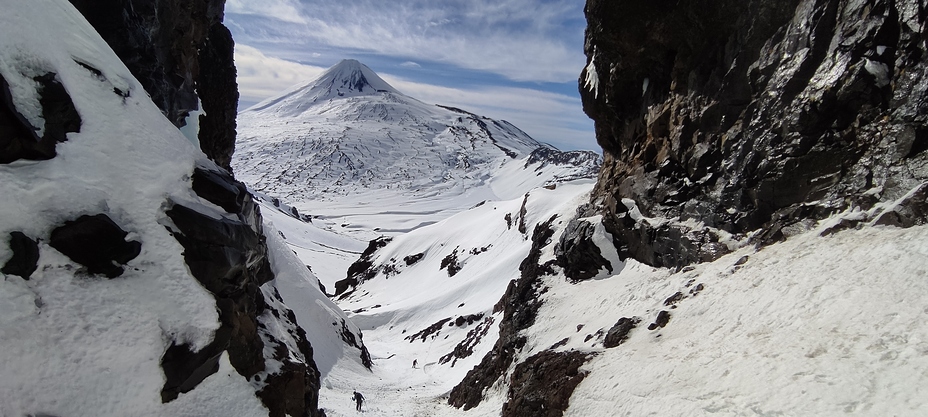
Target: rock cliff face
(63, 107)
(180, 52)
(744, 121)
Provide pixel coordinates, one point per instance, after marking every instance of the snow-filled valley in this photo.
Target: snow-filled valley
(811, 326)
(819, 324)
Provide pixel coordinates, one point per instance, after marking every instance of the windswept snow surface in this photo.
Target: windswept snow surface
(810, 326)
(352, 149)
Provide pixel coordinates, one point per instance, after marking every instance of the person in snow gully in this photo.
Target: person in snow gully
(358, 399)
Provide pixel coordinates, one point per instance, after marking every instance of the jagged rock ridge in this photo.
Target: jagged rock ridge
(182, 54)
(136, 267)
(746, 120)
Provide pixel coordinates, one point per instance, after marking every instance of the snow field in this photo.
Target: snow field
(810, 326)
(422, 294)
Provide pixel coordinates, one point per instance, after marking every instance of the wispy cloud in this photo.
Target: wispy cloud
(284, 10)
(546, 116)
(522, 40)
(261, 76)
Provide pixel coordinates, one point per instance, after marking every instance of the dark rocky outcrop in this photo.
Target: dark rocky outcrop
(519, 304)
(179, 51)
(663, 317)
(25, 259)
(751, 116)
(349, 338)
(412, 259)
(451, 262)
(228, 256)
(363, 269)
(19, 139)
(618, 334)
(589, 162)
(577, 254)
(96, 242)
(466, 347)
(541, 386)
(218, 90)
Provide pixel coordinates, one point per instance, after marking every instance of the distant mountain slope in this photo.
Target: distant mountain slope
(350, 132)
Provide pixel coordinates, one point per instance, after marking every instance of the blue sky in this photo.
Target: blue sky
(516, 60)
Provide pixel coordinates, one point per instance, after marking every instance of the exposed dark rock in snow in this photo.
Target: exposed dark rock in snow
(432, 331)
(577, 254)
(466, 347)
(618, 334)
(218, 92)
(222, 190)
(451, 263)
(229, 257)
(96, 242)
(674, 299)
(361, 270)
(589, 162)
(412, 259)
(19, 139)
(25, 256)
(541, 386)
(178, 50)
(520, 305)
(751, 116)
(349, 338)
(908, 211)
(663, 317)
(467, 320)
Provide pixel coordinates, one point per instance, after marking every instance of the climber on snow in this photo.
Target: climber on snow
(358, 399)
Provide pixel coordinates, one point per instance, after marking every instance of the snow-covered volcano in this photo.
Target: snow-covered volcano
(349, 139)
(348, 78)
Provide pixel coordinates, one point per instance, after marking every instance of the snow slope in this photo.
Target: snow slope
(348, 144)
(78, 344)
(810, 326)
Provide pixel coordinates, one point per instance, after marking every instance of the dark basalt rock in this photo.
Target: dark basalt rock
(541, 386)
(618, 334)
(25, 258)
(466, 347)
(412, 259)
(590, 161)
(96, 242)
(218, 91)
(751, 117)
(19, 139)
(294, 390)
(228, 256)
(910, 210)
(451, 263)
(663, 317)
(177, 50)
(219, 251)
(184, 369)
(363, 269)
(349, 338)
(520, 305)
(220, 188)
(577, 254)
(432, 331)
(229, 259)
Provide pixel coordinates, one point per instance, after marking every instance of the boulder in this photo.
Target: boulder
(96, 242)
